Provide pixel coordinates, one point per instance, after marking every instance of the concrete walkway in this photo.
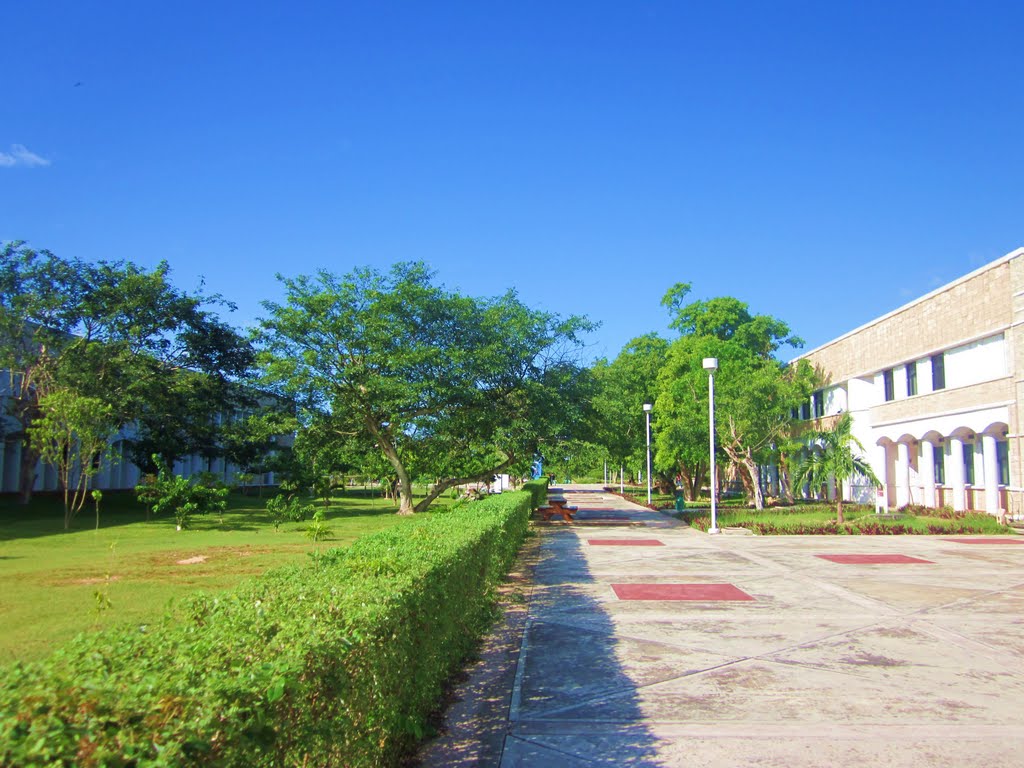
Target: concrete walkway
(812, 662)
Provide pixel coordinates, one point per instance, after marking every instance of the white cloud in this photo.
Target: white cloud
(21, 155)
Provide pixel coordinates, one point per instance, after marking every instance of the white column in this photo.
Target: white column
(881, 466)
(988, 447)
(928, 472)
(902, 474)
(955, 474)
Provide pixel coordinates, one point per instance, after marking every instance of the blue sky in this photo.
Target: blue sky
(824, 162)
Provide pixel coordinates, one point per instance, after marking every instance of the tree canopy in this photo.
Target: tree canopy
(623, 386)
(120, 335)
(754, 392)
(445, 386)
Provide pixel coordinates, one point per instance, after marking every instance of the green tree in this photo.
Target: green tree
(754, 392)
(622, 388)
(71, 433)
(832, 456)
(111, 331)
(166, 492)
(442, 385)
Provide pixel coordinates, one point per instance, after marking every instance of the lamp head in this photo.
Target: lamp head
(648, 407)
(711, 364)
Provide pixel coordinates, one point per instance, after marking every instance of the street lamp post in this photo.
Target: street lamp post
(711, 365)
(647, 413)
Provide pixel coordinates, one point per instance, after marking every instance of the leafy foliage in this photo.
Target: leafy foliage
(288, 507)
(623, 386)
(122, 335)
(181, 497)
(832, 456)
(754, 393)
(318, 530)
(438, 384)
(71, 433)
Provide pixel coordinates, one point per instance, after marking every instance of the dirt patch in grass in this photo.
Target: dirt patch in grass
(222, 565)
(94, 580)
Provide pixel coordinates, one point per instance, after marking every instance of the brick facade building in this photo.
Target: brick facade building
(935, 391)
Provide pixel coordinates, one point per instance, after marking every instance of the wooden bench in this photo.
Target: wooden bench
(557, 506)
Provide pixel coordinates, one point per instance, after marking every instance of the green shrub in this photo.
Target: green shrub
(281, 508)
(337, 662)
(538, 490)
(318, 530)
(181, 497)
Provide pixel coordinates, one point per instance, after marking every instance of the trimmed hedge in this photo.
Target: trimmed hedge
(335, 662)
(539, 491)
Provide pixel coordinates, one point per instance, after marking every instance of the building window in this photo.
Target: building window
(1003, 461)
(938, 371)
(940, 464)
(818, 399)
(911, 369)
(794, 413)
(969, 463)
(890, 389)
(805, 411)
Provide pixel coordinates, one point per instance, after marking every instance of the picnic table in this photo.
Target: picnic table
(557, 505)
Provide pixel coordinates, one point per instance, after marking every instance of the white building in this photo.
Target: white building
(117, 471)
(935, 391)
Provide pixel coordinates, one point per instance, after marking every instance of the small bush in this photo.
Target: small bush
(318, 530)
(181, 497)
(282, 508)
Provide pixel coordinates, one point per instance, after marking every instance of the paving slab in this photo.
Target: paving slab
(831, 663)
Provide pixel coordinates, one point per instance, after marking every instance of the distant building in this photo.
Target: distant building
(935, 391)
(116, 471)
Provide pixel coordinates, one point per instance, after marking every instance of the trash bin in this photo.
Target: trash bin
(680, 502)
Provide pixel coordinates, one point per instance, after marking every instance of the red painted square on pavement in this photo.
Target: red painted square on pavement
(983, 540)
(872, 559)
(705, 592)
(626, 542)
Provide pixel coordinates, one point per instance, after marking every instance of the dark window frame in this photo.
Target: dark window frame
(911, 370)
(888, 385)
(938, 371)
(1003, 461)
(939, 461)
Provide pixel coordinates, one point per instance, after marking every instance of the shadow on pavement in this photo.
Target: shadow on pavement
(554, 685)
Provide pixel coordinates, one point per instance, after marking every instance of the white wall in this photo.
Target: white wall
(835, 400)
(976, 362)
(863, 393)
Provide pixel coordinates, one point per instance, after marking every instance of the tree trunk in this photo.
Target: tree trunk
(839, 509)
(443, 485)
(751, 474)
(666, 484)
(693, 479)
(405, 506)
(785, 486)
(27, 472)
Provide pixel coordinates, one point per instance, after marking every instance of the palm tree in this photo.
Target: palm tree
(834, 458)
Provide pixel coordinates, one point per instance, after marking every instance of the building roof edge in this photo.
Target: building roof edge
(984, 268)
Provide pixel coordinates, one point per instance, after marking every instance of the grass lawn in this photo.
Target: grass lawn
(54, 585)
